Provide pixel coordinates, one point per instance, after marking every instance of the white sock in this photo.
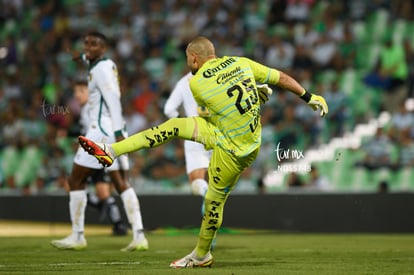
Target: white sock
(199, 187)
(111, 151)
(77, 205)
(133, 212)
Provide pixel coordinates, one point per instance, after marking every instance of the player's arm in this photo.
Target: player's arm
(77, 56)
(173, 102)
(202, 111)
(268, 75)
(316, 102)
(107, 82)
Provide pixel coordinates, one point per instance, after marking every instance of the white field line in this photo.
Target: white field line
(99, 263)
(69, 264)
(27, 228)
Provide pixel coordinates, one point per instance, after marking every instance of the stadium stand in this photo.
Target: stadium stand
(148, 40)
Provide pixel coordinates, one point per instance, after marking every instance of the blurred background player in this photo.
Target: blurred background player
(106, 124)
(102, 199)
(196, 157)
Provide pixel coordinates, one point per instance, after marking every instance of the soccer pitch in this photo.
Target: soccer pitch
(237, 252)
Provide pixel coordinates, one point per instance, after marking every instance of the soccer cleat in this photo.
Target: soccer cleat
(190, 261)
(137, 245)
(70, 243)
(98, 150)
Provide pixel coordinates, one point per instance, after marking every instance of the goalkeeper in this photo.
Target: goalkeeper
(226, 86)
(197, 158)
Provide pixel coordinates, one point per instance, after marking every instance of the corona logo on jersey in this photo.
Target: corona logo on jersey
(212, 72)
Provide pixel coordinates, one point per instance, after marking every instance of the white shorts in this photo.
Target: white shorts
(196, 156)
(96, 133)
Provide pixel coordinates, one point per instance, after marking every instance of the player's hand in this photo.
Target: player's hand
(264, 93)
(317, 102)
(203, 111)
(76, 55)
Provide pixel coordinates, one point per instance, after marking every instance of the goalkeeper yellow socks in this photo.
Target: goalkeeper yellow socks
(155, 136)
(213, 217)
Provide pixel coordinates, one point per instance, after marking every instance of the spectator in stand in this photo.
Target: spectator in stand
(401, 121)
(405, 150)
(383, 187)
(56, 26)
(134, 120)
(403, 9)
(324, 52)
(390, 75)
(308, 36)
(356, 9)
(311, 124)
(338, 103)
(302, 59)
(288, 129)
(409, 55)
(12, 126)
(298, 10)
(347, 49)
(33, 126)
(294, 181)
(254, 18)
(317, 181)
(280, 53)
(377, 152)
(276, 14)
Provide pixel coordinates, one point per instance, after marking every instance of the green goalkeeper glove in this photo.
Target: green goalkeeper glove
(203, 111)
(316, 102)
(264, 92)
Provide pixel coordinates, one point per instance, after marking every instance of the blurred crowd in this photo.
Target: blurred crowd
(320, 43)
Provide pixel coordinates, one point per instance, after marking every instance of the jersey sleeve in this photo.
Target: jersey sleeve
(84, 119)
(107, 83)
(174, 100)
(84, 59)
(263, 73)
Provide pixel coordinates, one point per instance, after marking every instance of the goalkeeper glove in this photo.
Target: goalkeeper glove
(203, 111)
(316, 102)
(264, 92)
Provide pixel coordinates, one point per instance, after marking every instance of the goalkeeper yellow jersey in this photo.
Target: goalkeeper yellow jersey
(227, 87)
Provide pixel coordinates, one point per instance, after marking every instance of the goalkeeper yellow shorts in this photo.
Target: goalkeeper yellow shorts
(224, 169)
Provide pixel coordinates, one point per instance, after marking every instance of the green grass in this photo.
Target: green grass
(241, 253)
